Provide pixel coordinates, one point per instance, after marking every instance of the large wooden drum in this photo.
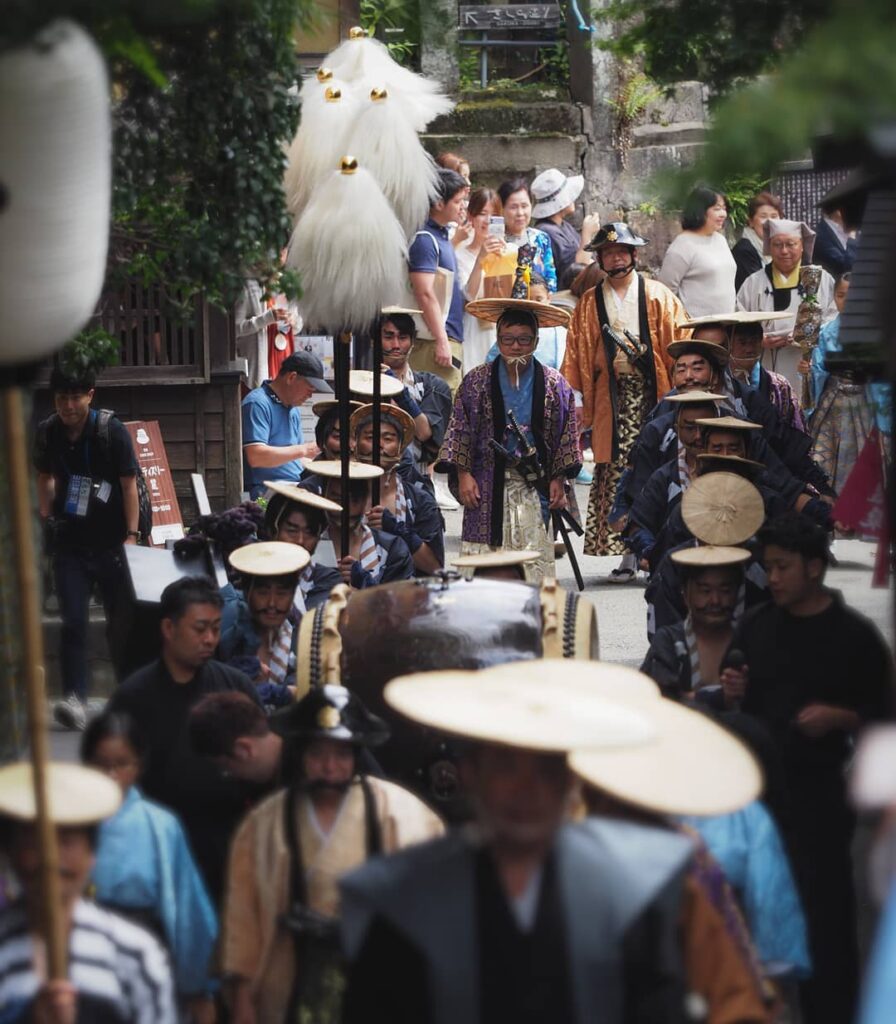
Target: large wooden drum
(363, 639)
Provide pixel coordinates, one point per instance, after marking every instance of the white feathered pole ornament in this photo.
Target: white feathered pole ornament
(55, 189)
(386, 145)
(349, 249)
(366, 64)
(329, 108)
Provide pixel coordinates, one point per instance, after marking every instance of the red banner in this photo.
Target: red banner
(862, 505)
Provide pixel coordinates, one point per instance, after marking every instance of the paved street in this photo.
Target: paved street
(621, 610)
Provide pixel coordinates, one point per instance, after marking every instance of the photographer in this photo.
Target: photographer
(87, 493)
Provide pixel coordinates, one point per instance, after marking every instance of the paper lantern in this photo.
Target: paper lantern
(55, 181)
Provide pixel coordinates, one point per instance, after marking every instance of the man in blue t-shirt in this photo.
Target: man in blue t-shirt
(430, 251)
(272, 424)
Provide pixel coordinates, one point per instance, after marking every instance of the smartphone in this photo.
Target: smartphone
(496, 227)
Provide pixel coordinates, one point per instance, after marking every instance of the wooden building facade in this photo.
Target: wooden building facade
(181, 370)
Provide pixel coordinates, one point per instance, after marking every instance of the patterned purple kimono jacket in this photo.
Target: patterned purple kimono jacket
(479, 415)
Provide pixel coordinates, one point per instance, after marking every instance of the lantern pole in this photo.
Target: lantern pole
(15, 418)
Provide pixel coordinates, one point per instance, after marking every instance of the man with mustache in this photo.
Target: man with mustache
(501, 510)
(280, 947)
(618, 388)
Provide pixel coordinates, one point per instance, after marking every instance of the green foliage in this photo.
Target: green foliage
(714, 41)
(90, 350)
(739, 191)
(634, 95)
(201, 118)
(842, 83)
(397, 24)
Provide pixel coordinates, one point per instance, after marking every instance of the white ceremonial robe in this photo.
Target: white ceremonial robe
(756, 295)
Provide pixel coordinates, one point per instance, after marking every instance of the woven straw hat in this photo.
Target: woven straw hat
(689, 766)
(390, 412)
(694, 397)
(269, 558)
(323, 407)
(332, 468)
(718, 463)
(495, 559)
(491, 310)
(301, 495)
(732, 319)
(722, 508)
(728, 423)
(517, 707)
(76, 795)
(709, 555)
(360, 382)
(718, 353)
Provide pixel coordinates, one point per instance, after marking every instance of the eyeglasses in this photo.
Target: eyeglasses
(785, 245)
(510, 339)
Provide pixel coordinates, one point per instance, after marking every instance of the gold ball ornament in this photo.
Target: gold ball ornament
(379, 94)
(332, 95)
(324, 74)
(348, 165)
(357, 33)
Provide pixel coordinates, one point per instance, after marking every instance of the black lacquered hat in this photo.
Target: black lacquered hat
(615, 233)
(330, 713)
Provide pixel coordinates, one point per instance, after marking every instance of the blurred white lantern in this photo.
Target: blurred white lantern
(55, 180)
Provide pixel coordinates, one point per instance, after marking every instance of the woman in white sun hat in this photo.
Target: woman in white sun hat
(554, 195)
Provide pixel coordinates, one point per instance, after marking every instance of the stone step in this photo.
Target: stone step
(677, 134)
(495, 157)
(501, 117)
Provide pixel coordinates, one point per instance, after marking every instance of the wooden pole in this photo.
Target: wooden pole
(377, 408)
(35, 690)
(341, 371)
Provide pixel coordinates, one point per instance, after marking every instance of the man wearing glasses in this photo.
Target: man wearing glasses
(501, 510)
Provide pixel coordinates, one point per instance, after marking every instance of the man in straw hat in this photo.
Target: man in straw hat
(374, 556)
(405, 509)
(262, 632)
(745, 347)
(723, 510)
(280, 946)
(502, 510)
(160, 697)
(117, 970)
(815, 672)
(295, 515)
(686, 657)
(524, 917)
(619, 382)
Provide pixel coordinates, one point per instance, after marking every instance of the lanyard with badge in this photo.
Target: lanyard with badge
(80, 486)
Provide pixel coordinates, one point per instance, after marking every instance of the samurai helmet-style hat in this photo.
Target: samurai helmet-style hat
(330, 713)
(615, 233)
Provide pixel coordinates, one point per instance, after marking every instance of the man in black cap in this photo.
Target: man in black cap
(620, 380)
(272, 423)
(280, 947)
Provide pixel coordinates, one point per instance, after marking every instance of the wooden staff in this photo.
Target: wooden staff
(341, 369)
(377, 408)
(15, 418)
